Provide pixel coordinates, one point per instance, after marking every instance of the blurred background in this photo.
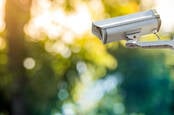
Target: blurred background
(51, 64)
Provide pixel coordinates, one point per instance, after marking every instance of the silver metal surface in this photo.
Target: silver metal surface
(153, 44)
(117, 28)
(131, 28)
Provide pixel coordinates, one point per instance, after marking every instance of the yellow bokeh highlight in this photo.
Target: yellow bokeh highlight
(2, 43)
(2, 8)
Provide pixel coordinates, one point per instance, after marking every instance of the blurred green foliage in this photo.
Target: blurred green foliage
(144, 78)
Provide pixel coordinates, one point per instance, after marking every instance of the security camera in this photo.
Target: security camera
(128, 27)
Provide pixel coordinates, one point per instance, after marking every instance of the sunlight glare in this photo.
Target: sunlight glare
(165, 9)
(55, 22)
(2, 10)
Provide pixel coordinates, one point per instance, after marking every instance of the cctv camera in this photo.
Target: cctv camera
(129, 27)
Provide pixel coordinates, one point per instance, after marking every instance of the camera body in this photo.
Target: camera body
(128, 27)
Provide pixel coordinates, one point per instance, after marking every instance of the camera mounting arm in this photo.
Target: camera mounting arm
(153, 44)
(134, 43)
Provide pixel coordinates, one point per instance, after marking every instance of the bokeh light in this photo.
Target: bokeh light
(2, 43)
(68, 109)
(2, 8)
(165, 8)
(71, 72)
(54, 22)
(29, 63)
(95, 91)
(63, 94)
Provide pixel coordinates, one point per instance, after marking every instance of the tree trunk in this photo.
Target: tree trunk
(17, 13)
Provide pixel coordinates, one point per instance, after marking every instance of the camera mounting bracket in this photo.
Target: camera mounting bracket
(133, 35)
(134, 43)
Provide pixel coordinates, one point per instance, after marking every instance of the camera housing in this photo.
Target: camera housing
(128, 27)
